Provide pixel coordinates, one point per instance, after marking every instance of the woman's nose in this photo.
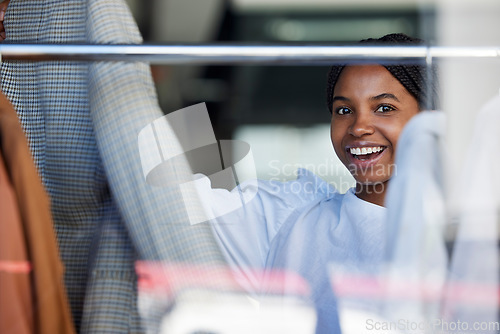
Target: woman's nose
(362, 125)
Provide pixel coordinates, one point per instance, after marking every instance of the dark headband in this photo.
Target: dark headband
(416, 78)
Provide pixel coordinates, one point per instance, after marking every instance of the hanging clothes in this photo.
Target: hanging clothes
(416, 216)
(472, 295)
(82, 122)
(16, 313)
(33, 297)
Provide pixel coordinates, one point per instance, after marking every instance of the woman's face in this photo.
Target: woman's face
(370, 108)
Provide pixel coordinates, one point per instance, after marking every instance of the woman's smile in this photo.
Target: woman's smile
(365, 153)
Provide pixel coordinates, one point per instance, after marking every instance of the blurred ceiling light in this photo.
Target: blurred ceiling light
(337, 4)
(335, 30)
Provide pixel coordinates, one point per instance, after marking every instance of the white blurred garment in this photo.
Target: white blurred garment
(473, 293)
(416, 214)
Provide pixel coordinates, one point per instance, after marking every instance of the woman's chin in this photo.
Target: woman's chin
(370, 180)
(376, 185)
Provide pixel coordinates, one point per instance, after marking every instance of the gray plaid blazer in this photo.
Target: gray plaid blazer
(82, 121)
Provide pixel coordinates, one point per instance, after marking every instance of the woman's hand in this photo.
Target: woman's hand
(3, 9)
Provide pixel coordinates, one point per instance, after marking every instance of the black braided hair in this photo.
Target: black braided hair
(413, 77)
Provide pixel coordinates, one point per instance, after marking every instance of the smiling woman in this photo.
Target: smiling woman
(370, 108)
(370, 105)
(306, 226)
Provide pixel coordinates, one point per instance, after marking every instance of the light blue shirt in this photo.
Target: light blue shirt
(304, 226)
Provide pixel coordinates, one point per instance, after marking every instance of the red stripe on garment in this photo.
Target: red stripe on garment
(15, 267)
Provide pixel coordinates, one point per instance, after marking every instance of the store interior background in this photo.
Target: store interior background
(280, 110)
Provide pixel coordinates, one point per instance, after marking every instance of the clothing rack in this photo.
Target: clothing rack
(240, 54)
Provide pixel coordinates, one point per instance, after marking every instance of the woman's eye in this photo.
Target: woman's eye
(343, 111)
(385, 108)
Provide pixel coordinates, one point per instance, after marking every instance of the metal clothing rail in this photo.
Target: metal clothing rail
(240, 54)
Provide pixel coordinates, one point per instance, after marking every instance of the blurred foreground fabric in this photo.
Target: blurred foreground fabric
(33, 297)
(472, 294)
(417, 214)
(82, 121)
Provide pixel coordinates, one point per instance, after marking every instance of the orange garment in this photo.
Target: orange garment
(32, 296)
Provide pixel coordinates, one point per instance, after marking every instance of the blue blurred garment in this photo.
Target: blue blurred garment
(475, 207)
(82, 121)
(416, 216)
(304, 226)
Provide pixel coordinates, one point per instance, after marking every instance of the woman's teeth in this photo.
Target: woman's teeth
(365, 150)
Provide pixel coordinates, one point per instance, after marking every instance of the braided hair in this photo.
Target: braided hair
(414, 77)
